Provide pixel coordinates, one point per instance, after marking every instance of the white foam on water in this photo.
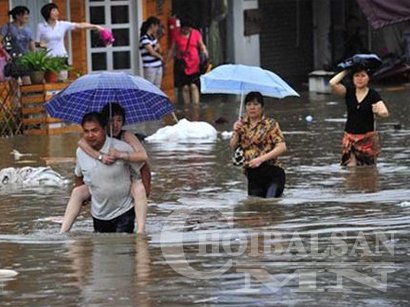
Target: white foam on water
(226, 135)
(184, 131)
(404, 204)
(319, 195)
(335, 120)
(7, 273)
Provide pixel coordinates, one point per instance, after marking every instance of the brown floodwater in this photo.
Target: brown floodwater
(338, 236)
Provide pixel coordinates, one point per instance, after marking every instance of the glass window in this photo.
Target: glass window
(122, 60)
(122, 37)
(96, 42)
(119, 14)
(99, 61)
(97, 15)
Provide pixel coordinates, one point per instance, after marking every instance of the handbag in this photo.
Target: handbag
(204, 65)
(11, 69)
(179, 66)
(238, 157)
(179, 63)
(8, 41)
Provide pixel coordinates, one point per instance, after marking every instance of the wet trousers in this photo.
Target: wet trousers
(266, 181)
(123, 223)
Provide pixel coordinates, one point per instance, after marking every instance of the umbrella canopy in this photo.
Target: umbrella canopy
(369, 61)
(240, 79)
(141, 100)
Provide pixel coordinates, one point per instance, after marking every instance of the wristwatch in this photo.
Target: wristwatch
(100, 157)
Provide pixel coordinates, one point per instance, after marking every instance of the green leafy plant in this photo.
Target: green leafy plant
(34, 60)
(56, 64)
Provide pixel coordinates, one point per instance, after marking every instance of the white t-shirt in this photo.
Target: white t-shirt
(109, 184)
(54, 36)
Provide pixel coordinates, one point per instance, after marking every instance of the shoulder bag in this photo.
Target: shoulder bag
(179, 63)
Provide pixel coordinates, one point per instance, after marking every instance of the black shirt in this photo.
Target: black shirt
(360, 118)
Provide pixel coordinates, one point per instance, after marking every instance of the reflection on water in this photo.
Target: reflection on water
(331, 240)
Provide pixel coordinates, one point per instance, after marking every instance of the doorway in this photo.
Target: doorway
(119, 16)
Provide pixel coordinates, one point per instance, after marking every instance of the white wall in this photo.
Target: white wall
(241, 49)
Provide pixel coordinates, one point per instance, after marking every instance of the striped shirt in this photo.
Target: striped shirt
(147, 59)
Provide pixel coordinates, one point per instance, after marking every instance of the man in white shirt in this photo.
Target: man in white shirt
(112, 206)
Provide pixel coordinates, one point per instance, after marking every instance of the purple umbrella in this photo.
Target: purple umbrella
(141, 100)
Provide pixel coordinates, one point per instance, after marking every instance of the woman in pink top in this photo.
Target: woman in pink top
(187, 43)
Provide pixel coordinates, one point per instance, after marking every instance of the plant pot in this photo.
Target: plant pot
(37, 77)
(63, 75)
(51, 76)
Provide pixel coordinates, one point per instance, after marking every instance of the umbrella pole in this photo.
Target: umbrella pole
(110, 123)
(175, 117)
(241, 106)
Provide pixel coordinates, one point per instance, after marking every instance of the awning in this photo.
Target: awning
(381, 13)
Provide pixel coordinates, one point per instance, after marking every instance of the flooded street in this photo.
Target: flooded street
(338, 237)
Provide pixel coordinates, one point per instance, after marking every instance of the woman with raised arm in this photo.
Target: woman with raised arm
(51, 33)
(360, 143)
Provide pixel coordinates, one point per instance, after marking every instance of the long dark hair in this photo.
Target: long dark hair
(148, 23)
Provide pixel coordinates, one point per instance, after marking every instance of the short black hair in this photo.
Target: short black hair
(19, 10)
(186, 22)
(94, 117)
(357, 68)
(116, 109)
(254, 96)
(46, 10)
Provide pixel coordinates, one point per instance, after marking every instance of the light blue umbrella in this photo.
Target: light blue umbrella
(241, 79)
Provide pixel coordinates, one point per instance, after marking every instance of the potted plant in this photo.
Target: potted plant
(54, 66)
(35, 62)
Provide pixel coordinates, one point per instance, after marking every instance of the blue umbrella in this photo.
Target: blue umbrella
(369, 61)
(240, 79)
(141, 100)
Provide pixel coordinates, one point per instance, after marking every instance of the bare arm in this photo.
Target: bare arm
(32, 46)
(237, 126)
(279, 150)
(153, 52)
(106, 159)
(203, 49)
(86, 26)
(380, 109)
(138, 155)
(335, 84)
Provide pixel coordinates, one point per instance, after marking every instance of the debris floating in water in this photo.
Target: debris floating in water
(309, 118)
(31, 176)
(185, 131)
